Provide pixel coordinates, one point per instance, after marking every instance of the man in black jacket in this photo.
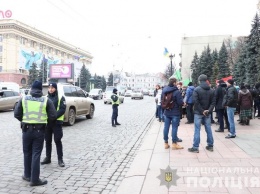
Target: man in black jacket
(55, 127)
(230, 102)
(33, 111)
(219, 95)
(204, 102)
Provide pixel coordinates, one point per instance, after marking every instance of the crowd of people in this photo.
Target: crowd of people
(198, 104)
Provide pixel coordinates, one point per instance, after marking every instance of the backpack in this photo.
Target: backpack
(167, 101)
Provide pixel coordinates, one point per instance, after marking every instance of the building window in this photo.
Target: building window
(1, 62)
(23, 81)
(1, 48)
(1, 38)
(41, 46)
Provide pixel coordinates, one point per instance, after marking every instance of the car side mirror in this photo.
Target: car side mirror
(87, 95)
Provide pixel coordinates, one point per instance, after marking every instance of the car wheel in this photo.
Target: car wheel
(105, 102)
(91, 112)
(122, 101)
(72, 117)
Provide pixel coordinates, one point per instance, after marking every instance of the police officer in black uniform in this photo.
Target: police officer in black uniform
(33, 111)
(55, 127)
(115, 104)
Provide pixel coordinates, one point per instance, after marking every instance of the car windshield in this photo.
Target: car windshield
(109, 89)
(94, 91)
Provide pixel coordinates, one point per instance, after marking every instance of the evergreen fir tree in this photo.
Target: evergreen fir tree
(195, 69)
(110, 79)
(224, 70)
(239, 72)
(43, 72)
(214, 75)
(33, 74)
(84, 78)
(103, 83)
(253, 45)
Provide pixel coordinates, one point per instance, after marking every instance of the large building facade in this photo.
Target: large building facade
(190, 45)
(139, 81)
(22, 45)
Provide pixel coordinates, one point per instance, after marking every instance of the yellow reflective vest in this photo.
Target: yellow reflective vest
(34, 110)
(117, 102)
(61, 118)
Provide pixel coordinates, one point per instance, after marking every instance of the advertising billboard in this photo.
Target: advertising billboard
(61, 71)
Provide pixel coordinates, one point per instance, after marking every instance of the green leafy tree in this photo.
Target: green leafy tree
(33, 74)
(224, 70)
(110, 79)
(195, 69)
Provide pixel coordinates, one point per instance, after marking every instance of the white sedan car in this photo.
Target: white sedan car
(137, 94)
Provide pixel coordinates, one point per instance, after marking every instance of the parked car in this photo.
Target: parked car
(96, 94)
(128, 93)
(24, 92)
(8, 99)
(145, 92)
(151, 92)
(77, 101)
(107, 95)
(137, 94)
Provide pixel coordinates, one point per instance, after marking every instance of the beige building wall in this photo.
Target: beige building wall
(190, 45)
(22, 45)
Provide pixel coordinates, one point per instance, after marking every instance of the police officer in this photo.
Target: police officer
(115, 104)
(33, 111)
(55, 127)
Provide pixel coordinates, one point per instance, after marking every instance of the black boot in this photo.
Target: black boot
(247, 122)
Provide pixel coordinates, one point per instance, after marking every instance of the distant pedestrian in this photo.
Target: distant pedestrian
(204, 102)
(157, 87)
(188, 102)
(245, 103)
(33, 111)
(54, 128)
(172, 116)
(230, 102)
(220, 109)
(115, 104)
(159, 106)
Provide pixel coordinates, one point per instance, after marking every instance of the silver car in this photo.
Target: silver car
(137, 94)
(8, 99)
(77, 101)
(96, 94)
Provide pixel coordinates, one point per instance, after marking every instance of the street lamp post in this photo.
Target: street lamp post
(171, 56)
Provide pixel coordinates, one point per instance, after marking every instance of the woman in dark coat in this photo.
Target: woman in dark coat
(245, 102)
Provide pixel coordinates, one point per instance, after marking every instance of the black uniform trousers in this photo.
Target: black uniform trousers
(33, 140)
(114, 114)
(56, 130)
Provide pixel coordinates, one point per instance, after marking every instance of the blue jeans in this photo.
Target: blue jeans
(175, 120)
(207, 123)
(230, 114)
(160, 115)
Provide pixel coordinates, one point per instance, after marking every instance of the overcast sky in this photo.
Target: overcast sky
(131, 34)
